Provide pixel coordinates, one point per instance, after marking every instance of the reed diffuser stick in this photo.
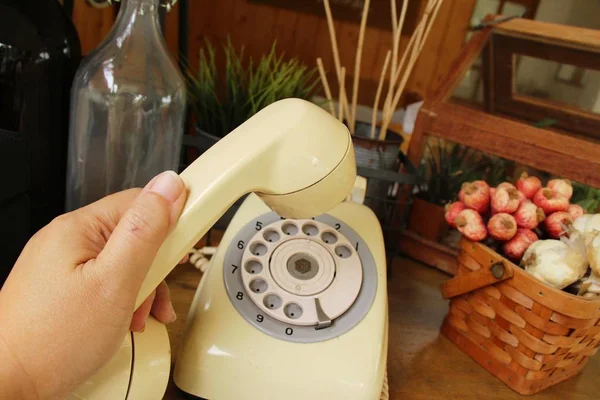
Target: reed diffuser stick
(387, 109)
(422, 32)
(397, 26)
(432, 8)
(332, 36)
(432, 19)
(361, 37)
(378, 94)
(342, 94)
(325, 84)
(336, 57)
(414, 55)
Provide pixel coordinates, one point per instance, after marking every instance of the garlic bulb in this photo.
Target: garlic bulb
(592, 245)
(593, 223)
(556, 263)
(591, 234)
(590, 286)
(581, 222)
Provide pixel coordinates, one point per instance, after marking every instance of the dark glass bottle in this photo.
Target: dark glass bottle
(39, 55)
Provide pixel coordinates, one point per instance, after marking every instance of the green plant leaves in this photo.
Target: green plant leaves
(222, 102)
(448, 165)
(587, 197)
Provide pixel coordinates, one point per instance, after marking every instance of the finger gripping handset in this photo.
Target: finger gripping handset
(294, 155)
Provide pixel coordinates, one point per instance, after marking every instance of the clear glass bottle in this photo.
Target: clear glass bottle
(128, 103)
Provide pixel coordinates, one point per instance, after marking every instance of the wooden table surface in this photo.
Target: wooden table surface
(422, 364)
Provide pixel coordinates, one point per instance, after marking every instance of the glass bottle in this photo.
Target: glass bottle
(128, 109)
(39, 54)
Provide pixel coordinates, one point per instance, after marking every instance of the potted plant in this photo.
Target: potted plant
(220, 102)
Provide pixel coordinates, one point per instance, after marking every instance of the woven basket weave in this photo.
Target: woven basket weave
(525, 333)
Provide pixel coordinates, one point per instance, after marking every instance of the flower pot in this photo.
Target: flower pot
(376, 155)
(427, 220)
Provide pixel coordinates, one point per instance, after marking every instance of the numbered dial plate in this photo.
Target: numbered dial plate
(300, 280)
(301, 272)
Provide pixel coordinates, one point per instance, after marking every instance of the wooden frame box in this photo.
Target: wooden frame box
(570, 149)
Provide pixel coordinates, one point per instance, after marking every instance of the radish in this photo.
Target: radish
(529, 185)
(505, 200)
(576, 211)
(528, 215)
(452, 211)
(502, 227)
(549, 201)
(476, 196)
(561, 186)
(516, 247)
(557, 224)
(470, 224)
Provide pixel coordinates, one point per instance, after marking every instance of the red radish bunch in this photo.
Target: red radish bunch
(512, 217)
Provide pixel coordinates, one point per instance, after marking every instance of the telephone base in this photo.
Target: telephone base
(238, 345)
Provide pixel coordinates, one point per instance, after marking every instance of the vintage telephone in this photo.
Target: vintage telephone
(294, 302)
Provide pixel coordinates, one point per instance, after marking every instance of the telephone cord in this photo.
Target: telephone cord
(385, 389)
(199, 258)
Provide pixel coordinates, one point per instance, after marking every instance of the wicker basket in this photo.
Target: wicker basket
(520, 330)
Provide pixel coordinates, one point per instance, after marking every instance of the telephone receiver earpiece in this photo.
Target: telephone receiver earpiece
(293, 154)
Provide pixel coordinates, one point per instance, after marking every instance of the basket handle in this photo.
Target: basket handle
(464, 283)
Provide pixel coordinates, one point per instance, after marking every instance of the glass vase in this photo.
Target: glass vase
(128, 107)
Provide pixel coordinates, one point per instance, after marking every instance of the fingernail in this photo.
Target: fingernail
(168, 185)
(173, 316)
(143, 328)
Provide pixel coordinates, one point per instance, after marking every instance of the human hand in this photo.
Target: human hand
(69, 301)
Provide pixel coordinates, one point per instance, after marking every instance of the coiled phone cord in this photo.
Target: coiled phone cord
(385, 389)
(199, 257)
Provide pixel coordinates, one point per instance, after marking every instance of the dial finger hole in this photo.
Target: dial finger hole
(272, 301)
(259, 286)
(289, 229)
(293, 311)
(329, 238)
(310, 230)
(253, 267)
(258, 249)
(271, 236)
(343, 251)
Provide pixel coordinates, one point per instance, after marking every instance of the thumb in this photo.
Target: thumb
(132, 246)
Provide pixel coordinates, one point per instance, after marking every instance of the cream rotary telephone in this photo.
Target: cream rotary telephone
(294, 302)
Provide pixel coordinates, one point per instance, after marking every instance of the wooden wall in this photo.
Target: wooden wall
(301, 35)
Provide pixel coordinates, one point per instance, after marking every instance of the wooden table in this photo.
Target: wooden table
(422, 364)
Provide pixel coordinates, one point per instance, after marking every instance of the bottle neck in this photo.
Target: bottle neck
(132, 12)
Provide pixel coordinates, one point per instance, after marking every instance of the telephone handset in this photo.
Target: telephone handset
(294, 303)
